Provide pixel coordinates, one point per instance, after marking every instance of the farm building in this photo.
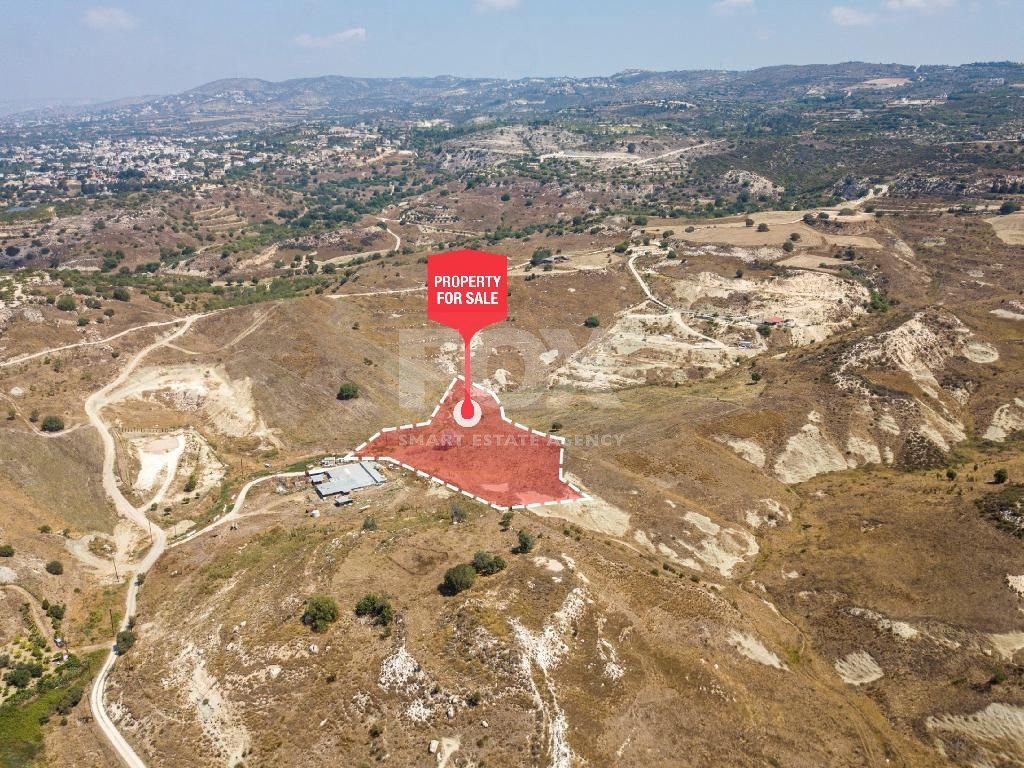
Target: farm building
(345, 478)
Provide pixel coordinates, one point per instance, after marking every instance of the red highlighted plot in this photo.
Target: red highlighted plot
(496, 461)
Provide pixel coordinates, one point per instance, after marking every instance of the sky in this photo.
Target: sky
(81, 51)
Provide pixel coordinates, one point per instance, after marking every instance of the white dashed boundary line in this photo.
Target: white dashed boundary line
(501, 410)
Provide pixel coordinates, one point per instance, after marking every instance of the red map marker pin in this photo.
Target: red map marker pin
(467, 290)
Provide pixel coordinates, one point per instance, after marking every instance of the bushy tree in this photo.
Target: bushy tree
(125, 640)
(321, 611)
(459, 578)
(527, 541)
(52, 424)
(376, 606)
(55, 567)
(348, 391)
(486, 563)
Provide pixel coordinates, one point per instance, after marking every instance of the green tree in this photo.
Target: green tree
(762, 227)
(125, 640)
(592, 321)
(527, 541)
(539, 255)
(321, 610)
(459, 578)
(376, 606)
(55, 567)
(487, 564)
(348, 391)
(52, 424)
(19, 677)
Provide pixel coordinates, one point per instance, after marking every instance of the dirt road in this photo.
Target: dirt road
(25, 358)
(93, 408)
(349, 257)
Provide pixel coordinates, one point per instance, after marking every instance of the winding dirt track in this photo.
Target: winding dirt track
(93, 408)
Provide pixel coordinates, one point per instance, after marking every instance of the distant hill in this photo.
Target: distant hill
(244, 103)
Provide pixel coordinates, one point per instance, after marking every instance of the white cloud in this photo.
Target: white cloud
(355, 34)
(731, 6)
(845, 16)
(497, 5)
(109, 17)
(919, 5)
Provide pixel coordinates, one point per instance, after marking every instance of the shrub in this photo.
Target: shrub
(348, 391)
(1009, 207)
(539, 255)
(788, 246)
(55, 567)
(122, 294)
(592, 322)
(951, 474)
(1000, 476)
(66, 304)
(369, 523)
(19, 677)
(487, 564)
(376, 606)
(6, 550)
(321, 610)
(70, 700)
(506, 520)
(125, 640)
(762, 227)
(755, 376)
(459, 578)
(527, 541)
(55, 611)
(457, 513)
(52, 424)
(749, 222)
